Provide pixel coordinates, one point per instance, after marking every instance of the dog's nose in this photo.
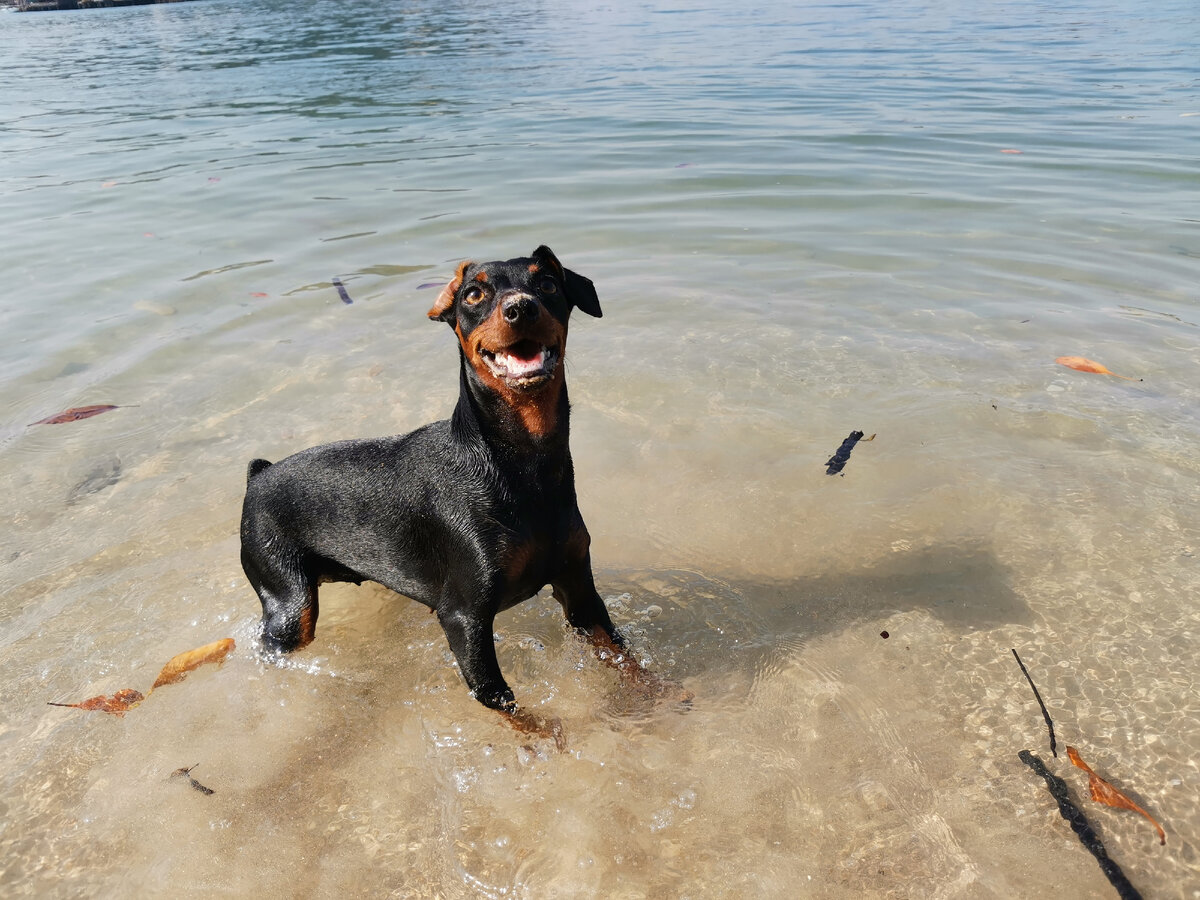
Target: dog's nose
(518, 309)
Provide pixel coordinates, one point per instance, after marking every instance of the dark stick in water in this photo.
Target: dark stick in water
(341, 289)
(1080, 825)
(1045, 714)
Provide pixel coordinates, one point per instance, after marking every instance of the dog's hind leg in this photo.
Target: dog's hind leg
(287, 593)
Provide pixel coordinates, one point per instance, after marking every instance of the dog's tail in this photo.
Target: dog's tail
(256, 466)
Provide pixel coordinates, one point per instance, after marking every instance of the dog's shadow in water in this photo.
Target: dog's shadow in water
(698, 617)
(690, 624)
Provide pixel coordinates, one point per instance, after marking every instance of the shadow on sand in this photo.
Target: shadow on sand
(964, 586)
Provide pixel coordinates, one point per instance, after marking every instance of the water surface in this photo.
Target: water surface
(802, 220)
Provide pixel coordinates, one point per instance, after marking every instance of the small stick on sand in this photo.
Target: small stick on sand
(1045, 714)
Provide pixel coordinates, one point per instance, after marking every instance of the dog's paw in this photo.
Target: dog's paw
(655, 687)
(539, 726)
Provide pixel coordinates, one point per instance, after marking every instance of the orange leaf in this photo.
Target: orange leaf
(118, 704)
(1082, 364)
(1103, 792)
(178, 667)
(175, 670)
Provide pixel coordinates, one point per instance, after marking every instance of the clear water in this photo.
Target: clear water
(802, 219)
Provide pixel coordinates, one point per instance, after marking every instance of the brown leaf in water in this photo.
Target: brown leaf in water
(118, 704)
(179, 666)
(1083, 364)
(75, 414)
(1103, 792)
(175, 670)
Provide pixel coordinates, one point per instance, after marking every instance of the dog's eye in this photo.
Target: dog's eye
(473, 294)
(548, 286)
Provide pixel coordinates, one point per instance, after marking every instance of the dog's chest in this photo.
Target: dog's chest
(535, 510)
(530, 560)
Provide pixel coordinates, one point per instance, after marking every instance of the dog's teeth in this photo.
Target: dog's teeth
(519, 367)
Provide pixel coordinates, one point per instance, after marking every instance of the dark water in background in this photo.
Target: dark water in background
(802, 219)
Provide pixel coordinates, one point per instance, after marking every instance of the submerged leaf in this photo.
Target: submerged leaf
(341, 289)
(178, 667)
(838, 461)
(118, 704)
(75, 414)
(1103, 792)
(175, 670)
(186, 772)
(1083, 364)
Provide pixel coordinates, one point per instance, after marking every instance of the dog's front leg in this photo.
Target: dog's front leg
(649, 684)
(575, 590)
(471, 641)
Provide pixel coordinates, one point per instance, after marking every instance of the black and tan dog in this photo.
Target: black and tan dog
(469, 516)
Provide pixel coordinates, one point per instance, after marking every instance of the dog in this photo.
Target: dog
(469, 516)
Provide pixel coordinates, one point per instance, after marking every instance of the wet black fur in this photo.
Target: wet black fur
(433, 514)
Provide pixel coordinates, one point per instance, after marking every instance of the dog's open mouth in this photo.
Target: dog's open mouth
(524, 364)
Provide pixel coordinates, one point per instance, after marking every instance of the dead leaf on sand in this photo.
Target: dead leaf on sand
(1103, 792)
(186, 772)
(1083, 364)
(118, 704)
(175, 670)
(179, 666)
(75, 414)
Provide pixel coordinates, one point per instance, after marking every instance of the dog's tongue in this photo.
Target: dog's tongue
(520, 365)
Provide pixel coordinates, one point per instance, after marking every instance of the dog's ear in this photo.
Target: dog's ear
(443, 307)
(581, 293)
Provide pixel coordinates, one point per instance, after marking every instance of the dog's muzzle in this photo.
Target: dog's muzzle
(525, 364)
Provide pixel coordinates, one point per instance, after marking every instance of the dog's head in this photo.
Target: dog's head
(511, 317)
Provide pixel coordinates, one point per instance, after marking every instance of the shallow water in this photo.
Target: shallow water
(801, 220)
